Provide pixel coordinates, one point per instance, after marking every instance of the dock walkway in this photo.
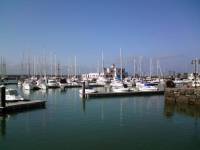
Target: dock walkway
(22, 105)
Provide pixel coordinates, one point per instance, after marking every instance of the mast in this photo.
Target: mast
(45, 65)
(34, 61)
(157, 68)
(1, 67)
(29, 66)
(150, 68)
(98, 71)
(75, 66)
(4, 66)
(197, 67)
(55, 67)
(134, 67)
(22, 65)
(51, 59)
(102, 62)
(140, 66)
(68, 65)
(121, 63)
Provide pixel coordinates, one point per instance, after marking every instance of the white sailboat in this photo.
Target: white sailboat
(42, 84)
(29, 85)
(118, 85)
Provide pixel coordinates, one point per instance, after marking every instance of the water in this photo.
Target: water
(68, 122)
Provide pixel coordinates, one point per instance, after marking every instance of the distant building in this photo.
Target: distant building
(110, 72)
(114, 72)
(90, 76)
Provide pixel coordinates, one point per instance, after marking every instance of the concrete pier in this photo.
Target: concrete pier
(182, 96)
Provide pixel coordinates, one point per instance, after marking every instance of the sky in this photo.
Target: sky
(165, 29)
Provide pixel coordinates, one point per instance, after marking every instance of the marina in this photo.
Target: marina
(68, 119)
(100, 75)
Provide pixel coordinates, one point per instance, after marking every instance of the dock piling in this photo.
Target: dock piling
(3, 96)
(83, 90)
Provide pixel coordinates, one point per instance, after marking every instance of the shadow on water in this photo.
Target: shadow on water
(189, 110)
(3, 119)
(83, 104)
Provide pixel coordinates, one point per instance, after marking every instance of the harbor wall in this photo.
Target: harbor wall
(182, 96)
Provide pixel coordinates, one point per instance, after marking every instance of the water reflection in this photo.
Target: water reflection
(3, 125)
(83, 104)
(189, 110)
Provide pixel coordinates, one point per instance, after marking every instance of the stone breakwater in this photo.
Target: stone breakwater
(182, 96)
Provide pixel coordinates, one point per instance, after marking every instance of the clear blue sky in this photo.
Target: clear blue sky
(155, 28)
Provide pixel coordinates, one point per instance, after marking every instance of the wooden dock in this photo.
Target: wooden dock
(120, 94)
(22, 105)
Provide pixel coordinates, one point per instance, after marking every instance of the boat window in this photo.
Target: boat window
(12, 92)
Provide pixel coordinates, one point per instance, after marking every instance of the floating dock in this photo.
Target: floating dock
(22, 105)
(120, 94)
(72, 86)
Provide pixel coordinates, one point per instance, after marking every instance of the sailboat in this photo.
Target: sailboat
(29, 85)
(42, 83)
(118, 85)
(101, 80)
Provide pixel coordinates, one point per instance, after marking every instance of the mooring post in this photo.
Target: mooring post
(83, 90)
(3, 96)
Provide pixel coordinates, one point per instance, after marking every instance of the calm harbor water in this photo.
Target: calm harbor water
(68, 122)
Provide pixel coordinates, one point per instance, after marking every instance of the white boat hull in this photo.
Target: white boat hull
(120, 89)
(88, 91)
